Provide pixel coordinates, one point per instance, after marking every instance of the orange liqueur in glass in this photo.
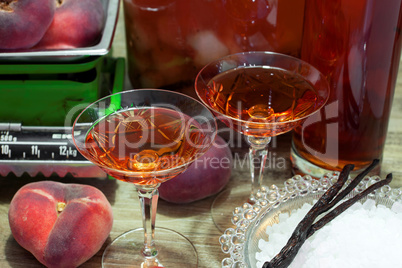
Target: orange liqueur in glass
(143, 141)
(264, 101)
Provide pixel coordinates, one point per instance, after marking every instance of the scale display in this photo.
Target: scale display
(37, 143)
(46, 150)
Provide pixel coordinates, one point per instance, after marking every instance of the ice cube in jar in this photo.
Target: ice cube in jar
(169, 41)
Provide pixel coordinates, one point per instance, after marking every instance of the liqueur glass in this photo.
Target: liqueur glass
(145, 137)
(261, 95)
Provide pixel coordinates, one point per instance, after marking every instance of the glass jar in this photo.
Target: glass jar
(169, 41)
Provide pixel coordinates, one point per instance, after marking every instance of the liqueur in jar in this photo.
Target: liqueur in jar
(169, 41)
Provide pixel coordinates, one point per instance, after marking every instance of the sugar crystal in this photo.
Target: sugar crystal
(363, 236)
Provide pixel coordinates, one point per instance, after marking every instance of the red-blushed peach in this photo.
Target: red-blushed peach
(76, 23)
(24, 22)
(205, 177)
(62, 225)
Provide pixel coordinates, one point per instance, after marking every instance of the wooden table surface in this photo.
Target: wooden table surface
(192, 220)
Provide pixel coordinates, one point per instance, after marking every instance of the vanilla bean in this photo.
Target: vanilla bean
(352, 185)
(328, 200)
(299, 235)
(345, 205)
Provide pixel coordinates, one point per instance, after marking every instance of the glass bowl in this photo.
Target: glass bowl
(250, 221)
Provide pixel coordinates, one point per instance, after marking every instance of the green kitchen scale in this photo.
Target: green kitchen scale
(41, 93)
(39, 102)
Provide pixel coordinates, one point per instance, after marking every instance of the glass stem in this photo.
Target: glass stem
(149, 202)
(258, 155)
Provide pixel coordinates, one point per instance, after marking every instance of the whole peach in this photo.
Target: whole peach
(206, 176)
(24, 22)
(62, 225)
(76, 23)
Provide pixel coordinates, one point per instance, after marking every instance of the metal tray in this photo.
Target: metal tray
(111, 8)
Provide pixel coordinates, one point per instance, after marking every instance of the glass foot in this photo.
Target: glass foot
(224, 204)
(174, 250)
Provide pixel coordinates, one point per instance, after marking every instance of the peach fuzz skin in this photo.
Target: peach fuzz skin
(62, 225)
(76, 23)
(24, 22)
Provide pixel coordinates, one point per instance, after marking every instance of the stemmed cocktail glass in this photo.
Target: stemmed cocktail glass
(145, 137)
(261, 95)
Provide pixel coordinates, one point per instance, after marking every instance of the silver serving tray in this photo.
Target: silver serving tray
(111, 8)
